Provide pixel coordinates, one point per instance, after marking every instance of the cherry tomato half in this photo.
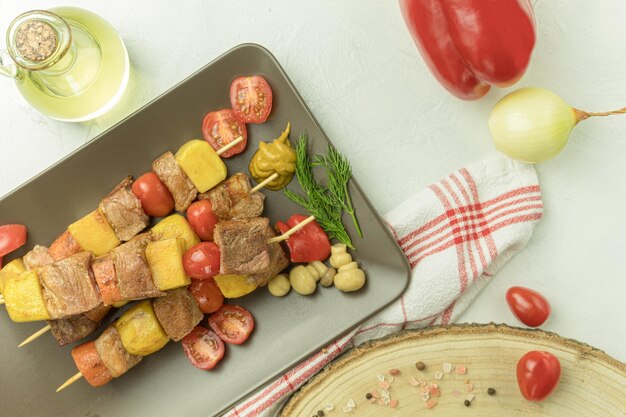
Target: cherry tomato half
(233, 324)
(203, 348)
(538, 374)
(207, 294)
(251, 99)
(202, 261)
(201, 217)
(530, 307)
(12, 236)
(222, 127)
(156, 199)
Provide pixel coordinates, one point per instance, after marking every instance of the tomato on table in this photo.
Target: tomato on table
(203, 348)
(12, 236)
(201, 217)
(530, 307)
(222, 127)
(233, 324)
(309, 243)
(202, 261)
(207, 294)
(538, 374)
(156, 199)
(251, 99)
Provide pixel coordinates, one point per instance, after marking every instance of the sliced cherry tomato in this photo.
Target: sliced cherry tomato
(156, 199)
(203, 348)
(530, 307)
(309, 243)
(207, 294)
(222, 127)
(538, 374)
(251, 99)
(233, 324)
(202, 261)
(201, 217)
(12, 236)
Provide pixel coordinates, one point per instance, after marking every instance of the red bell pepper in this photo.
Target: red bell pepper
(12, 236)
(309, 243)
(471, 44)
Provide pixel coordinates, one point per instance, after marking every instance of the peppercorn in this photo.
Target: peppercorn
(368, 396)
(420, 365)
(320, 413)
(467, 403)
(491, 391)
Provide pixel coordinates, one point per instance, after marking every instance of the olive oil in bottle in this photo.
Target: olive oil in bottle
(68, 63)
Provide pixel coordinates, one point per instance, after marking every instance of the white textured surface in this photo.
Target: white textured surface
(358, 70)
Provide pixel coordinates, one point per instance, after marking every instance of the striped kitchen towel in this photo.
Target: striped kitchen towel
(456, 234)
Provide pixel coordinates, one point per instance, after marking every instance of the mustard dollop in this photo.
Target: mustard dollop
(276, 157)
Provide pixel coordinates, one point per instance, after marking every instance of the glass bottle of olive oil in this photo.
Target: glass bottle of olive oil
(68, 63)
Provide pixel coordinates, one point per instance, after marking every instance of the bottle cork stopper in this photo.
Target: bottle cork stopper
(35, 40)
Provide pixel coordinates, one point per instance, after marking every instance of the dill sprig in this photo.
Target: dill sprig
(325, 202)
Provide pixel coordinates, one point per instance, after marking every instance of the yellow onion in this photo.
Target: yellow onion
(534, 124)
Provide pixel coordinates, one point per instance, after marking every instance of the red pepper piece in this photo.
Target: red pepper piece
(12, 236)
(469, 44)
(309, 243)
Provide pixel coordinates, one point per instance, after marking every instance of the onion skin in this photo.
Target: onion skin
(532, 124)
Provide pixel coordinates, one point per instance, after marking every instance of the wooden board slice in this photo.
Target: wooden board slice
(592, 383)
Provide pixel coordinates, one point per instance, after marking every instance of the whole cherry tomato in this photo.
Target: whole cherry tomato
(12, 236)
(207, 294)
(233, 324)
(530, 307)
(538, 374)
(156, 199)
(251, 99)
(202, 261)
(201, 217)
(203, 348)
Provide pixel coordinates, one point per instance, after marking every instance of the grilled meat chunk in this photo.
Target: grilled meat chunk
(175, 179)
(132, 270)
(243, 246)
(178, 313)
(278, 261)
(231, 199)
(69, 287)
(123, 211)
(116, 358)
(37, 258)
(104, 273)
(64, 246)
(74, 328)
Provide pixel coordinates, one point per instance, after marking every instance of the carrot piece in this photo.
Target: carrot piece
(64, 246)
(90, 364)
(106, 278)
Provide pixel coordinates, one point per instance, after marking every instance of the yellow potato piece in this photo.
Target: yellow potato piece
(202, 164)
(15, 267)
(23, 297)
(165, 258)
(234, 286)
(140, 330)
(94, 233)
(173, 227)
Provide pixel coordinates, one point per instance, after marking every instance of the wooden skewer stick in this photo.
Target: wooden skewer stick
(230, 145)
(70, 381)
(264, 183)
(35, 336)
(291, 231)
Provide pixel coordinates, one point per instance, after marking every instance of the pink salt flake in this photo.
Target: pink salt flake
(394, 372)
(375, 393)
(435, 392)
(460, 370)
(381, 402)
(469, 387)
(456, 393)
(393, 403)
(430, 403)
(384, 384)
(413, 382)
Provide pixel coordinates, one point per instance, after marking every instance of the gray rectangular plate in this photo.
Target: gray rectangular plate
(288, 329)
